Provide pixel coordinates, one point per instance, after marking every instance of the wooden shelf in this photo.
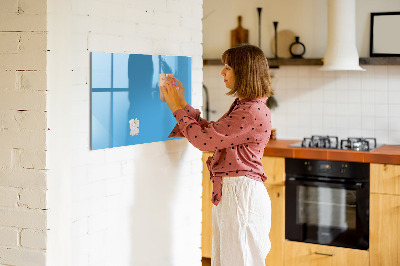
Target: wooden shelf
(274, 63)
(380, 61)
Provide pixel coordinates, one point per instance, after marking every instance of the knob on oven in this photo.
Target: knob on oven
(308, 166)
(343, 168)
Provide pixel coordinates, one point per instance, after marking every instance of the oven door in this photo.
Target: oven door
(327, 213)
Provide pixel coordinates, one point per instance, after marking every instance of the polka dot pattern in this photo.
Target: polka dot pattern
(238, 139)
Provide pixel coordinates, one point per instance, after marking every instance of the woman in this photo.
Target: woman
(242, 208)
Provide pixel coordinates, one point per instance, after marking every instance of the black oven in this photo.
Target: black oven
(327, 202)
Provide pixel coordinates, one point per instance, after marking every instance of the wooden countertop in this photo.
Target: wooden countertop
(389, 154)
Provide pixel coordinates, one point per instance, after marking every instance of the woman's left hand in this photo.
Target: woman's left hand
(171, 96)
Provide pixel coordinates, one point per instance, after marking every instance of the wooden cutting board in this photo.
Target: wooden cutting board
(239, 35)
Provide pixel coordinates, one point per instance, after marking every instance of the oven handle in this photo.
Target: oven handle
(357, 185)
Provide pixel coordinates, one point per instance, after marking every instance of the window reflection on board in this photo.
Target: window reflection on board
(126, 108)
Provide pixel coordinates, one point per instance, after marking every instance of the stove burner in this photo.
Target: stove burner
(328, 142)
(332, 142)
(358, 144)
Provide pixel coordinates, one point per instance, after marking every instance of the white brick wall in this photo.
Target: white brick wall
(23, 132)
(136, 205)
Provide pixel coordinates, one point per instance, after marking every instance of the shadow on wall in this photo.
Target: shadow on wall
(152, 215)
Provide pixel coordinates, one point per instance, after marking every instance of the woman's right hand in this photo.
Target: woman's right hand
(181, 91)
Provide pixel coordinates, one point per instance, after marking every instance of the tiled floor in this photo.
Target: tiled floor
(206, 261)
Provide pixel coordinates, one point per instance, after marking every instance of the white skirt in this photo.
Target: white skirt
(241, 223)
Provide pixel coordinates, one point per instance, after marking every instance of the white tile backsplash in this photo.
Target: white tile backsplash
(343, 103)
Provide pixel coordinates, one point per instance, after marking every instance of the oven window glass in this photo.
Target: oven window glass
(327, 207)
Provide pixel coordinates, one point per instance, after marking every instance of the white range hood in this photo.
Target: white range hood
(341, 51)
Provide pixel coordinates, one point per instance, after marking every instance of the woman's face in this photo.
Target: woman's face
(229, 76)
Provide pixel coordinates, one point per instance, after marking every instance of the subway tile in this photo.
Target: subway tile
(381, 123)
(394, 123)
(380, 71)
(394, 110)
(381, 110)
(342, 109)
(368, 123)
(382, 136)
(394, 97)
(355, 132)
(381, 97)
(342, 122)
(394, 137)
(329, 109)
(367, 96)
(367, 110)
(381, 84)
(355, 96)
(355, 109)
(291, 71)
(355, 122)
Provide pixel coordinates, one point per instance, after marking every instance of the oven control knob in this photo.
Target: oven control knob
(343, 168)
(308, 166)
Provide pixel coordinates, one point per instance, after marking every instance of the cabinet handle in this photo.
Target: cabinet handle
(324, 254)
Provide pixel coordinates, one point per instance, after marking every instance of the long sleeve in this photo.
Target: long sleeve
(193, 113)
(232, 130)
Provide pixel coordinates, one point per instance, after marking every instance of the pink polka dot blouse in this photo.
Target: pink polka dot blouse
(238, 139)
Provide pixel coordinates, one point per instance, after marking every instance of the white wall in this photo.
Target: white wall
(311, 102)
(306, 19)
(23, 133)
(136, 205)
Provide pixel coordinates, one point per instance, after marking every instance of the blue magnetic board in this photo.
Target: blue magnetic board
(125, 97)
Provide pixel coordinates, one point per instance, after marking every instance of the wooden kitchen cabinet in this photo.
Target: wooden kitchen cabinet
(277, 233)
(206, 225)
(305, 254)
(385, 178)
(385, 215)
(274, 168)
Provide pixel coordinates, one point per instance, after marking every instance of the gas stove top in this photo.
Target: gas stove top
(332, 142)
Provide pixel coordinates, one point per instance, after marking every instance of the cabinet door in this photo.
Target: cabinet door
(384, 230)
(385, 178)
(206, 226)
(304, 254)
(274, 168)
(277, 233)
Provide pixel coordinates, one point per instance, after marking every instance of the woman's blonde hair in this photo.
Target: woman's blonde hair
(250, 66)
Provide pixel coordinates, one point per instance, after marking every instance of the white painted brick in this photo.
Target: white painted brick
(30, 61)
(23, 100)
(5, 159)
(190, 48)
(8, 6)
(98, 222)
(36, 7)
(33, 239)
(34, 120)
(33, 199)
(14, 139)
(8, 80)
(17, 256)
(20, 217)
(31, 159)
(8, 197)
(192, 23)
(9, 42)
(23, 178)
(30, 80)
(23, 22)
(8, 237)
